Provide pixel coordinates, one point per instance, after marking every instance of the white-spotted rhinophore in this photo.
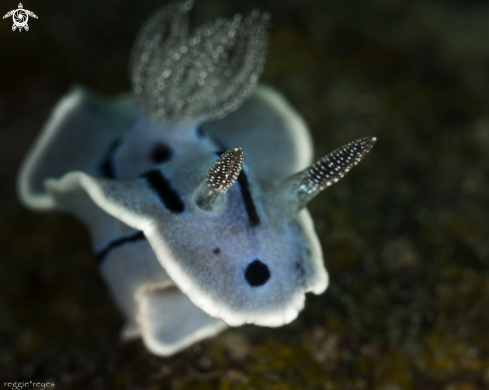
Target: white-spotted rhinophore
(20, 16)
(194, 188)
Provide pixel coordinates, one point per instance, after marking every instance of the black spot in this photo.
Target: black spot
(107, 164)
(165, 191)
(160, 153)
(118, 242)
(216, 251)
(300, 269)
(257, 273)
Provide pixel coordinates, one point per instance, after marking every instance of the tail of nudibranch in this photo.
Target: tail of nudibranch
(179, 78)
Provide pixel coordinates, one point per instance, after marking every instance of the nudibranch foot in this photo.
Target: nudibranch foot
(170, 322)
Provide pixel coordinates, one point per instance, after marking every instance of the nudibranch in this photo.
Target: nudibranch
(194, 187)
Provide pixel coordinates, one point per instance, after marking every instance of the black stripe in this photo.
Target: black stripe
(248, 199)
(107, 165)
(118, 242)
(246, 194)
(163, 188)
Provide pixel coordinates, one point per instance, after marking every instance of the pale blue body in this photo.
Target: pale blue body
(81, 135)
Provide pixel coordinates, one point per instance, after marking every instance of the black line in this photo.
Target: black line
(248, 199)
(118, 242)
(107, 165)
(246, 194)
(163, 188)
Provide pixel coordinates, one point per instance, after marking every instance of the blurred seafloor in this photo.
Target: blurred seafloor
(405, 234)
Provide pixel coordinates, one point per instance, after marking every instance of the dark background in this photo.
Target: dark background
(404, 235)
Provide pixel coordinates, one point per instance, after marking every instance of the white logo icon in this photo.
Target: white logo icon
(20, 16)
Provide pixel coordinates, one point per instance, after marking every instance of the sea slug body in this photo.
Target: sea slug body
(194, 188)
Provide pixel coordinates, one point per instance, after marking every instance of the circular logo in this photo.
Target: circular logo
(20, 17)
